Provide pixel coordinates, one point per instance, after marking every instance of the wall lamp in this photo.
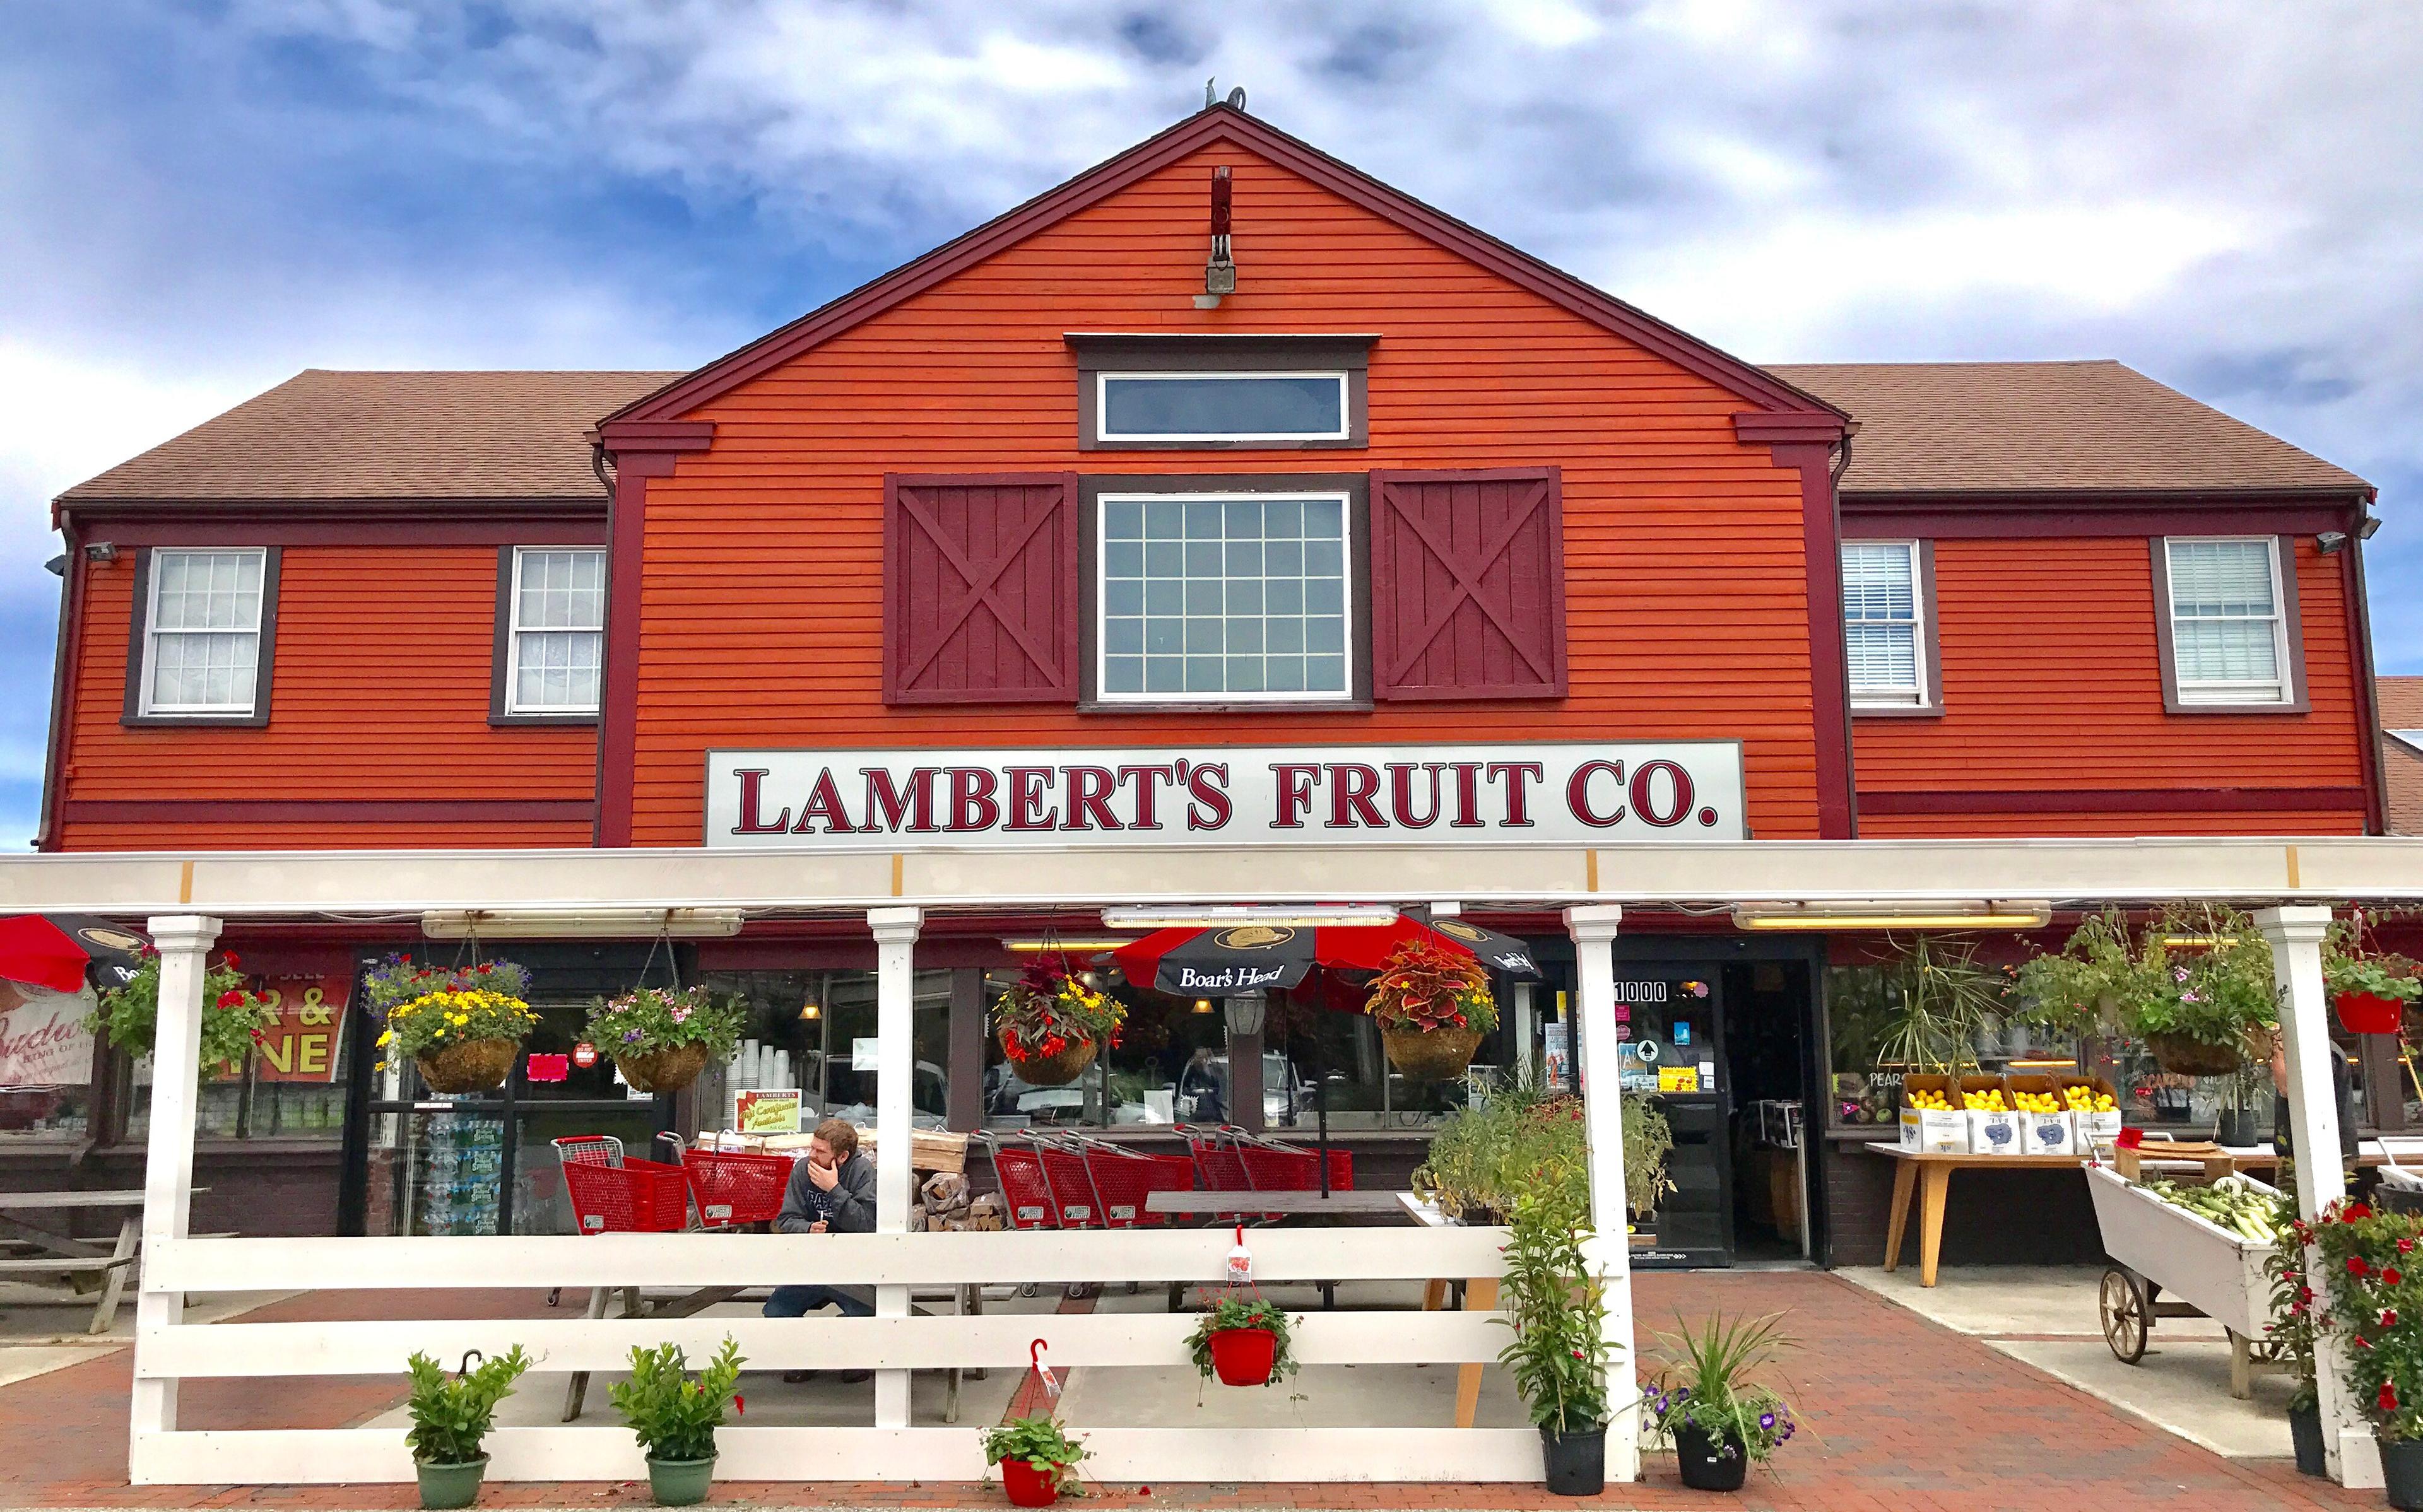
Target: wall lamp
(101, 551)
(1925, 915)
(1319, 915)
(2330, 542)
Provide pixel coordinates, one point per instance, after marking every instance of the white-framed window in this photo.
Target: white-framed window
(2230, 639)
(557, 639)
(1884, 625)
(1224, 597)
(1219, 408)
(202, 631)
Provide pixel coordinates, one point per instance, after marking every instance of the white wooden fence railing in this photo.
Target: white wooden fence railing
(166, 1353)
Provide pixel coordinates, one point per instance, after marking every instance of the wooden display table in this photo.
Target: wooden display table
(1916, 1169)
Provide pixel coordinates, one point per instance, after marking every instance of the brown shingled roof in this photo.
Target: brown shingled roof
(2401, 765)
(387, 436)
(2043, 427)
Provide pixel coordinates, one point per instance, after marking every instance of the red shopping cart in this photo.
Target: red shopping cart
(1126, 1179)
(1217, 1165)
(1071, 1181)
(614, 1194)
(734, 1188)
(1272, 1166)
(1025, 1191)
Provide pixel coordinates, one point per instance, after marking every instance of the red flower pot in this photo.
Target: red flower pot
(1244, 1357)
(1028, 1486)
(2364, 1014)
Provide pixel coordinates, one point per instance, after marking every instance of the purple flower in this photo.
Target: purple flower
(630, 1037)
(2178, 973)
(1767, 1420)
(2190, 996)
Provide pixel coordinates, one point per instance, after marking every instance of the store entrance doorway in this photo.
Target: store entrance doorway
(1768, 1015)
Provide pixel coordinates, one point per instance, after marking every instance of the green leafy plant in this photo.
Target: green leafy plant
(666, 1018)
(2376, 1305)
(400, 979)
(2350, 966)
(2197, 972)
(1648, 1144)
(2295, 1322)
(452, 1414)
(1530, 1139)
(1425, 986)
(673, 1413)
(1936, 1002)
(233, 1017)
(1231, 1312)
(1707, 1379)
(1556, 1304)
(1039, 1442)
(2079, 988)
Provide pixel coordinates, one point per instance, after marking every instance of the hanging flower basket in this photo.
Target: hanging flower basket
(2185, 1057)
(2365, 1013)
(1438, 1055)
(468, 1066)
(1244, 1357)
(660, 1071)
(1056, 1070)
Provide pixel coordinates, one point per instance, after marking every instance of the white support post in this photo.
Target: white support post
(1593, 928)
(184, 942)
(2296, 936)
(895, 1086)
(1527, 1030)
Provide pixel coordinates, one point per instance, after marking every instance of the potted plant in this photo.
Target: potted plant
(2377, 1307)
(451, 1417)
(674, 1415)
(1037, 1459)
(1935, 1003)
(1556, 1305)
(2370, 989)
(663, 1037)
(2291, 1330)
(1433, 1005)
(1051, 1025)
(462, 1025)
(233, 1017)
(1707, 1405)
(2195, 986)
(1244, 1340)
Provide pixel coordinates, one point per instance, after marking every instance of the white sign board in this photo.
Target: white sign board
(1577, 793)
(44, 1042)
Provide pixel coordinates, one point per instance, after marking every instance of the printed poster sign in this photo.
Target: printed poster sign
(1589, 794)
(770, 1110)
(44, 1042)
(302, 1045)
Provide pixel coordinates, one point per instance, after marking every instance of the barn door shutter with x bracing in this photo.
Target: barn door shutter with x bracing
(1467, 584)
(980, 588)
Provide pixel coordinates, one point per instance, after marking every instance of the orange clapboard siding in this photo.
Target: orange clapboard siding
(761, 584)
(336, 835)
(379, 693)
(2052, 681)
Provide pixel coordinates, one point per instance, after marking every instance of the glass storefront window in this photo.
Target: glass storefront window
(814, 1031)
(46, 1064)
(292, 1087)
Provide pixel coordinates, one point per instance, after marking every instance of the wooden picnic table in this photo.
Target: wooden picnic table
(62, 1254)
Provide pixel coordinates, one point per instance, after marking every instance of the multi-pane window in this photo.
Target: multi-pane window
(1222, 406)
(1883, 623)
(559, 630)
(201, 646)
(2229, 639)
(1224, 596)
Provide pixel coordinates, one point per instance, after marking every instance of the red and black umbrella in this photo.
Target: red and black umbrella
(1240, 958)
(63, 952)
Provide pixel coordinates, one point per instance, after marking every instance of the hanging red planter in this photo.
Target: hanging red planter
(1028, 1486)
(2364, 1014)
(1244, 1357)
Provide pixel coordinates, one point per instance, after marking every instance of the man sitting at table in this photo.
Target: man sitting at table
(832, 1191)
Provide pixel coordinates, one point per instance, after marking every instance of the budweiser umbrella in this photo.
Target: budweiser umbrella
(63, 952)
(1238, 958)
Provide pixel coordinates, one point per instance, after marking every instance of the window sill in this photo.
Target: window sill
(1256, 444)
(2175, 706)
(194, 721)
(1896, 711)
(504, 720)
(1272, 706)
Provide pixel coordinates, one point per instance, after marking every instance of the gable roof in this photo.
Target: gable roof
(326, 435)
(2042, 427)
(2400, 699)
(1214, 123)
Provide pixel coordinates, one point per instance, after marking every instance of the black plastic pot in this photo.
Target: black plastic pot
(2401, 1473)
(2305, 1432)
(1576, 1461)
(2236, 1127)
(1710, 1464)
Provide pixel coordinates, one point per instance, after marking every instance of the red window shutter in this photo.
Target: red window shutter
(980, 588)
(1467, 584)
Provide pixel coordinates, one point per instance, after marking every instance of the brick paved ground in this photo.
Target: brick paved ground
(1901, 1416)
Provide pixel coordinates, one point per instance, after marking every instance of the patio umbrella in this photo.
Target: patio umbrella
(63, 952)
(1238, 958)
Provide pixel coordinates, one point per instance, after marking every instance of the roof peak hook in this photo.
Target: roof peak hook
(1235, 101)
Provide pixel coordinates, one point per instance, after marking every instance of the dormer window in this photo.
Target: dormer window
(1140, 392)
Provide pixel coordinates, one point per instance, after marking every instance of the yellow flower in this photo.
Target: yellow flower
(388, 1038)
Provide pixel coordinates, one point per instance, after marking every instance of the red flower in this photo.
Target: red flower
(2356, 1265)
(2389, 1317)
(484, 969)
(232, 998)
(2356, 1210)
(230, 960)
(2388, 1397)
(2363, 1342)
(2406, 1246)
(740, 1403)
(2390, 1276)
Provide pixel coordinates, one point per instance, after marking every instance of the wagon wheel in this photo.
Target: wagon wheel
(2125, 1318)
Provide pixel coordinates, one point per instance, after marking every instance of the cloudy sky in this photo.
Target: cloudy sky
(198, 200)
